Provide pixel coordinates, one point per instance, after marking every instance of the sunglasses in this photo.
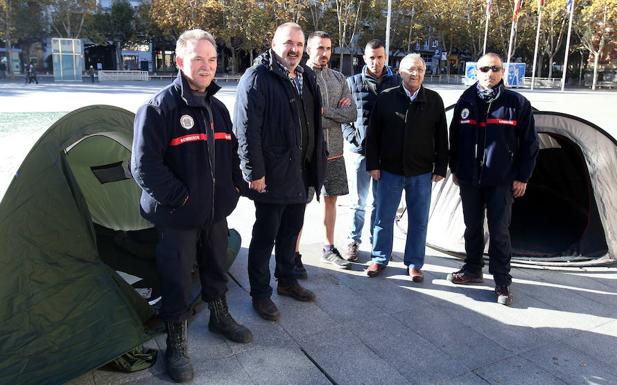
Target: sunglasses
(491, 68)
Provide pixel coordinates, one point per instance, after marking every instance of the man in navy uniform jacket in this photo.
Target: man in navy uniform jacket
(493, 151)
(185, 160)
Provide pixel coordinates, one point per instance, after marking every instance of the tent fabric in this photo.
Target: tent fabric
(567, 216)
(106, 201)
(62, 310)
(79, 270)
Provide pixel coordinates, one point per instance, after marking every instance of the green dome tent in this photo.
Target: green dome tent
(70, 229)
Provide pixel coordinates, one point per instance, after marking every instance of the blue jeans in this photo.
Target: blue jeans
(362, 185)
(418, 199)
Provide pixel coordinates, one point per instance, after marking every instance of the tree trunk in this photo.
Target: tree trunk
(550, 65)
(234, 64)
(540, 63)
(580, 69)
(596, 59)
(118, 45)
(9, 64)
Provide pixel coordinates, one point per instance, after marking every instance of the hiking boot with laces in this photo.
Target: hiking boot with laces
(177, 358)
(298, 269)
(352, 252)
(334, 257)
(504, 295)
(464, 277)
(221, 322)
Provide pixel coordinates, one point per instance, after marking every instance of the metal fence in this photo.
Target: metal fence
(123, 75)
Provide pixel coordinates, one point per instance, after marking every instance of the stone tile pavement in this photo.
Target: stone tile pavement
(562, 328)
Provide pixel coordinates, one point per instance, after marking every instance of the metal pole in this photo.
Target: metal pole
(535, 52)
(488, 17)
(388, 31)
(565, 60)
(509, 50)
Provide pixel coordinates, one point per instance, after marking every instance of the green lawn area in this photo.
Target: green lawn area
(26, 122)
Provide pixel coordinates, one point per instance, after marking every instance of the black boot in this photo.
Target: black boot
(222, 322)
(299, 271)
(177, 358)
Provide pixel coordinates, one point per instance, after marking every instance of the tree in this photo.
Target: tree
(7, 28)
(596, 28)
(174, 17)
(348, 13)
(69, 16)
(117, 25)
(318, 9)
(243, 22)
(552, 33)
(283, 11)
(22, 23)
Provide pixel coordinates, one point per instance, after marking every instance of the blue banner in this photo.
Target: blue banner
(516, 73)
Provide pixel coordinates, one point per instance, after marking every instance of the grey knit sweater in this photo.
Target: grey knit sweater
(333, 88)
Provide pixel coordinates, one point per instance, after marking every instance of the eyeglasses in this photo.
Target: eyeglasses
(414, 69)
(491, 68)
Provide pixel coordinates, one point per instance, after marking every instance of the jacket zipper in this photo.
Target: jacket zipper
(297, 94)
(211, 154)
(483, 160)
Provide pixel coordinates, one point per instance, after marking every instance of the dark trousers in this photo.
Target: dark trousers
(498, 203)
(176, 254)
(275, 224)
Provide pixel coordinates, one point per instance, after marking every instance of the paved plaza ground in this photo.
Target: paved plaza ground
(562, 328)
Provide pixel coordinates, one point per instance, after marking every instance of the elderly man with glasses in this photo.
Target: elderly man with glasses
(406, 150)
(493, 151)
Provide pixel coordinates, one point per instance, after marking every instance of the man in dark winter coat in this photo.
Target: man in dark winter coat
(493, 151)
(278, 125)
(376, 77)
(406, 150)
(183, 143)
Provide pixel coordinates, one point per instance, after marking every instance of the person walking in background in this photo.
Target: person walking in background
(91, 73)
(406, 150)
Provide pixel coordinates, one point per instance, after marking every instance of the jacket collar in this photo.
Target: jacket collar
(269, 60)
(471, 94)
(388, 73)
(187, 94)
(420, 98)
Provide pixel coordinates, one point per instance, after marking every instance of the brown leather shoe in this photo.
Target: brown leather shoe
(266, 309)
(296, 292)
(374, 269)
(416, 274)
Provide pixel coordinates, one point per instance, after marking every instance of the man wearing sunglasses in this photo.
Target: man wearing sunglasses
(493, 151)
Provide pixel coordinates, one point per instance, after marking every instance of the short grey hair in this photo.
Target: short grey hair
(289, 25)
(407, 60)
(192, 35)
